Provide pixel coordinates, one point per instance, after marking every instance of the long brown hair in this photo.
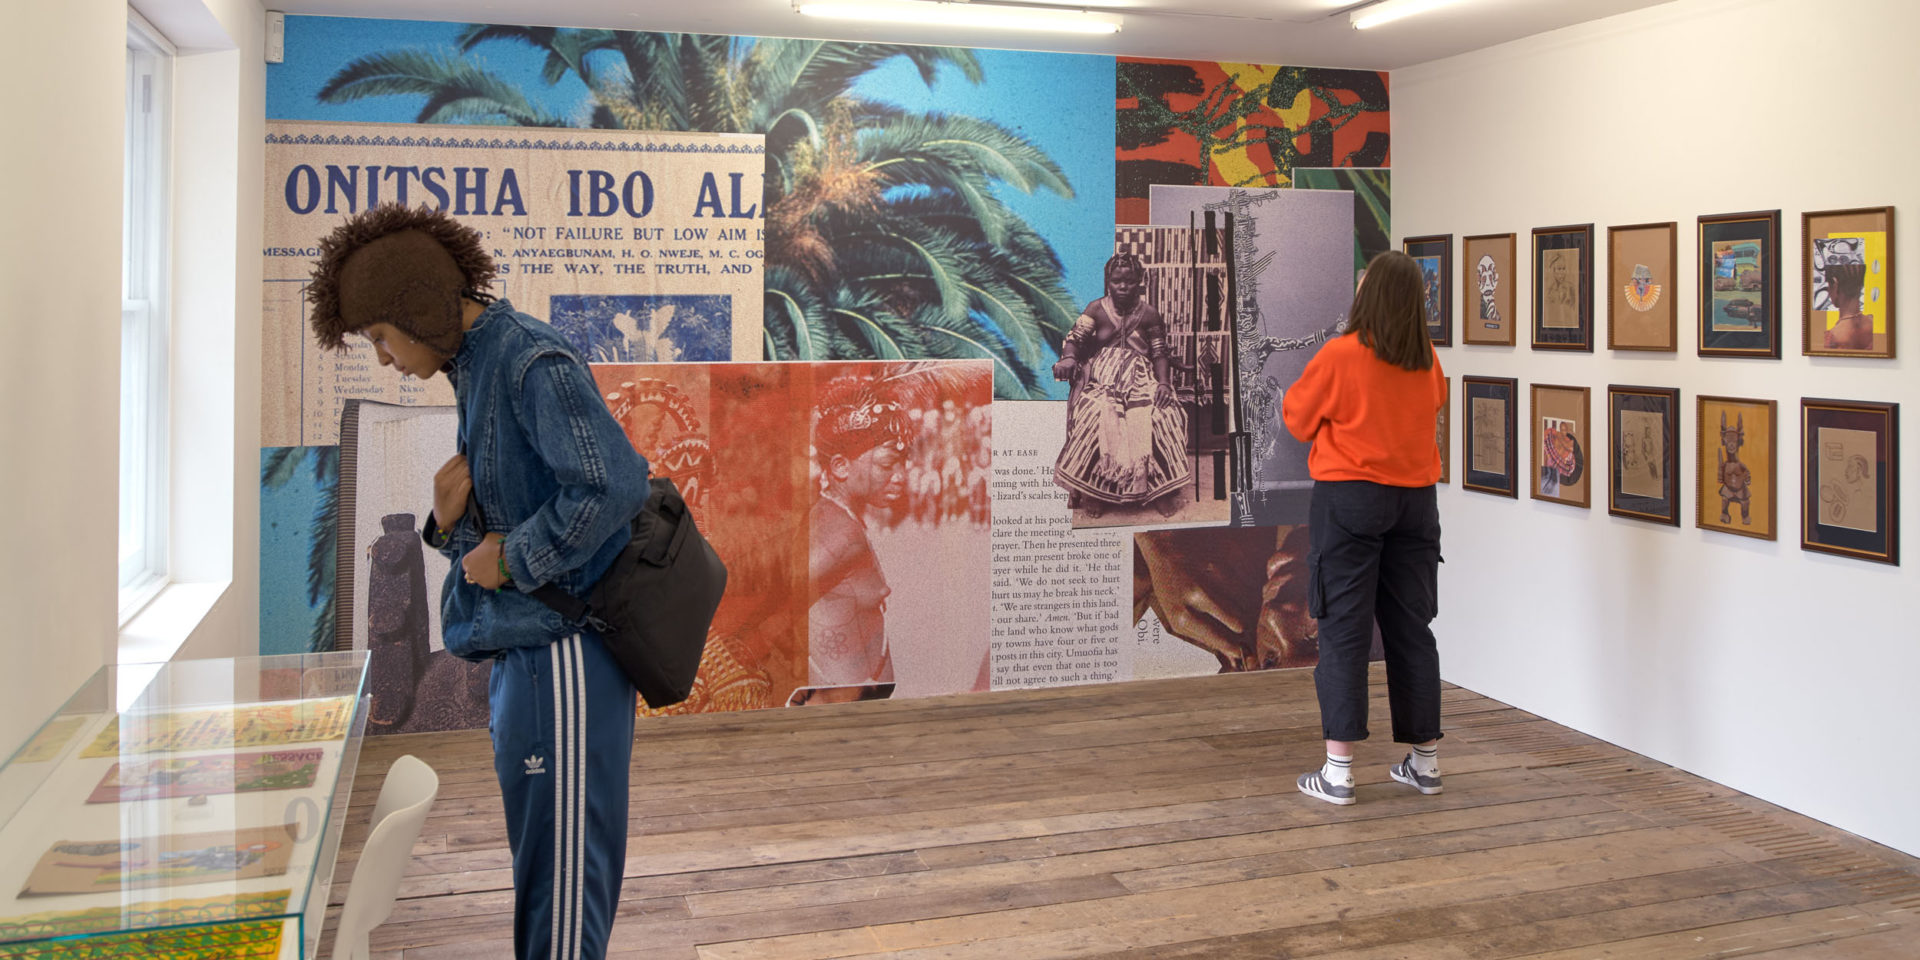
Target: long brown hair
(1389, 312)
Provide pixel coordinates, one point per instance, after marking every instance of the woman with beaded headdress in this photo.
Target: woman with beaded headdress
(1126, 432)
(860, 446)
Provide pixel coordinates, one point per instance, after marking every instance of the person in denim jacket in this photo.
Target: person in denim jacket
(542, 491)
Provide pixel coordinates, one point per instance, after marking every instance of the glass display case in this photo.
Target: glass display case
(184, 810)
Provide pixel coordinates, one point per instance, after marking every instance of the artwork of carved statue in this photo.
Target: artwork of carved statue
(1735, 477)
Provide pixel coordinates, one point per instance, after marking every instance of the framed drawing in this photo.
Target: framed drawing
(1487, 435)
(1849, 479)
(1847, 281)
(1435, 256)
(104, 865)
(168, 777)
(1561, 422)
(1643, 431)
(1440, 430)
(1735, 477)
(1486, 266)
(1563, 288)
(1740, 285)
(1643, 261)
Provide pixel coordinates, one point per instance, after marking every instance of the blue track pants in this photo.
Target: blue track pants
(562, 726)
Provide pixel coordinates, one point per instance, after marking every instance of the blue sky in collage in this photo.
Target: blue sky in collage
(1062, 103)
(317, 47)
(1059, 102)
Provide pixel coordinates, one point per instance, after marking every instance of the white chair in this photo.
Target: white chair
(405, 798)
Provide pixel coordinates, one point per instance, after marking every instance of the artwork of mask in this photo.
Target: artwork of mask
(1642, 292)
(1489, 280)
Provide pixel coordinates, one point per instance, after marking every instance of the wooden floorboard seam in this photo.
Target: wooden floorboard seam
(1155, 819)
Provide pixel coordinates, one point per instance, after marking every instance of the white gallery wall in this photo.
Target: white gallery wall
(60, 372)
(60, 198)
(1786, 674)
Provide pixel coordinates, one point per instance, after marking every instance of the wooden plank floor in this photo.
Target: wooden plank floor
(1155, 819)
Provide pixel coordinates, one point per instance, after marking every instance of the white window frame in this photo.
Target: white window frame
(144, 317)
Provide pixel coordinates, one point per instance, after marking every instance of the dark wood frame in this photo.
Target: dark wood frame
(1443, 431)
(1701, 475)
(1441, 244)
(1672, 229)
(1769, 284)
(1535, 436)
(1887, 549)
(1617, 504)
(1582, 335)
(1512, 388)
(1807, 345)
(1512, 283)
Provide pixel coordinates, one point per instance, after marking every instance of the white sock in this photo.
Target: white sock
(1339, 770)
(1426, 760)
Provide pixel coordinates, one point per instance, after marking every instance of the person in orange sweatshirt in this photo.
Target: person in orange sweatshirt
(1367, 402)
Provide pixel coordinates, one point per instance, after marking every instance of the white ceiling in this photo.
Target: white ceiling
(1293, 32)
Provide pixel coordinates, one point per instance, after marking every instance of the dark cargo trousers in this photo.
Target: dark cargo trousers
(1374, 557)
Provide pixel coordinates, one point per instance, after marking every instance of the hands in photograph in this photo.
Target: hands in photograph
(1198, 593)
(1204, 588)
(1288, 635)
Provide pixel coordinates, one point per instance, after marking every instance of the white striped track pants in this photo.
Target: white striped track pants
(562, 725)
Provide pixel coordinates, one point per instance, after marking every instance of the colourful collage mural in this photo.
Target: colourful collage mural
(725, 227)
(1182, 123)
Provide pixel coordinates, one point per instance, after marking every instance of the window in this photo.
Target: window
(143, 318)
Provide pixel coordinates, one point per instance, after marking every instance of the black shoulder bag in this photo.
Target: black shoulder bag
(653, 607)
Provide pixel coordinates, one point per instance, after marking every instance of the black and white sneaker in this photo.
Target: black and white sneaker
(1315, 784)
(1405, 773)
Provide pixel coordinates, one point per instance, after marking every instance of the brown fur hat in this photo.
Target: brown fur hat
(406, 267)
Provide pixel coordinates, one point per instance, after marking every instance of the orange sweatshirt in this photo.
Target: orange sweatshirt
(1367, 419)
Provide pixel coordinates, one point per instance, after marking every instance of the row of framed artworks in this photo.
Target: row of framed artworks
(1846, 279)
(1849, 460)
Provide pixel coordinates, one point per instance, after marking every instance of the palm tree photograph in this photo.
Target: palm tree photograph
(921, 202)
(299, 519)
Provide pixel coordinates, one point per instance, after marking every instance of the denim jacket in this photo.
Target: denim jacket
(551, 469)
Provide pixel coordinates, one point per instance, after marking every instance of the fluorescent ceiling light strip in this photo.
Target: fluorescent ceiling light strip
(1387, 11)
(962, 14)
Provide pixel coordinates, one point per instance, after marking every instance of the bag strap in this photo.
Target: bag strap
(568, 606)
(663, 499)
